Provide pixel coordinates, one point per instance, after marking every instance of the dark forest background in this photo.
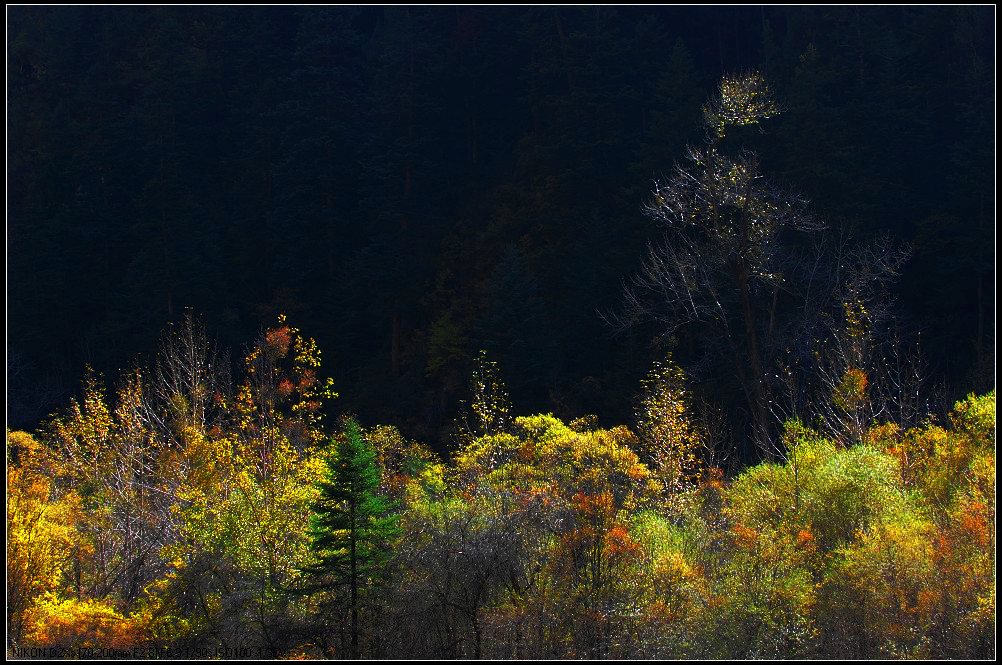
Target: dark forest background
(412, 185)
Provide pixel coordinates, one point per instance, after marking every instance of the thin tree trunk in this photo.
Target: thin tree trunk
(354, 590)
(754, 357)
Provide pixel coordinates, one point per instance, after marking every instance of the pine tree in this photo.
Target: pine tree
(351, 524)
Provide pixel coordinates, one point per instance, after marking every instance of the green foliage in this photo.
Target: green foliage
(889, 576)
(874, 532)
(351, 524)
(677, 591)
(243, 538)
(352, 528)
(975, 418)
(831, 491)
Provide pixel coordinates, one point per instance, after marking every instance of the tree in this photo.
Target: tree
(490, 407)
(462, 557)
(573, 490)
(247, 489)
(718, 263)
(42, 531)
(351, 525)
(670, 438)
(866, 370)
(109, 457)
(282, 396)
(189, 374)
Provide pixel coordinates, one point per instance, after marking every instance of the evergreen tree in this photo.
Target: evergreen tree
(351, 524)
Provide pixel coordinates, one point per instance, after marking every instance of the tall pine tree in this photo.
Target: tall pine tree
(351, 525)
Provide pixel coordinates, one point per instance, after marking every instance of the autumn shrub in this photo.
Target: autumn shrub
(74, 624)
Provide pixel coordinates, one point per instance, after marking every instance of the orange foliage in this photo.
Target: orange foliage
(926, 602)
(885, 436)
(713, 479)
(285, 387)
(279, 339)
(593, 505)
(307, 379)
(745, 537)
(975, 521)
(620, 543)
(850, 394)
(527, 452)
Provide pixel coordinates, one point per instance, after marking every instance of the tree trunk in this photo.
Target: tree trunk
(742, 274)
(354, 590)
(758, 407)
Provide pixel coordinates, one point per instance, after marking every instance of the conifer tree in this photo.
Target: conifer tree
(351, 524)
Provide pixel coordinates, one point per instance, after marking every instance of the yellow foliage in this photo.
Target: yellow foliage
(399, 460)
(593, 462)
(974, 417)
(892, 573)
(82, 435)
(41, 533)
(743, 100)
(669, 437)
(884, 437)
(81, 624)
(282, 388)
(941, 462)
(546, 457)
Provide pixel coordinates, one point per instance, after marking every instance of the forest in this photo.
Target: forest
(555, 332)
(182, 516)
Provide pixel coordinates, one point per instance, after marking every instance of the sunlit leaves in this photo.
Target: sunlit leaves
(83, 434)
(282, 388)
(742, 100)
(723, 228)
(490, 404)
(41, 531)
(82, 624)
(975, 417)
(667, 433)
(539, 538)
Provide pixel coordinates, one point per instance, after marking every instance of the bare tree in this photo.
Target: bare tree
(165, 406)
(187, 375)
(718, 262)
(852, 362)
